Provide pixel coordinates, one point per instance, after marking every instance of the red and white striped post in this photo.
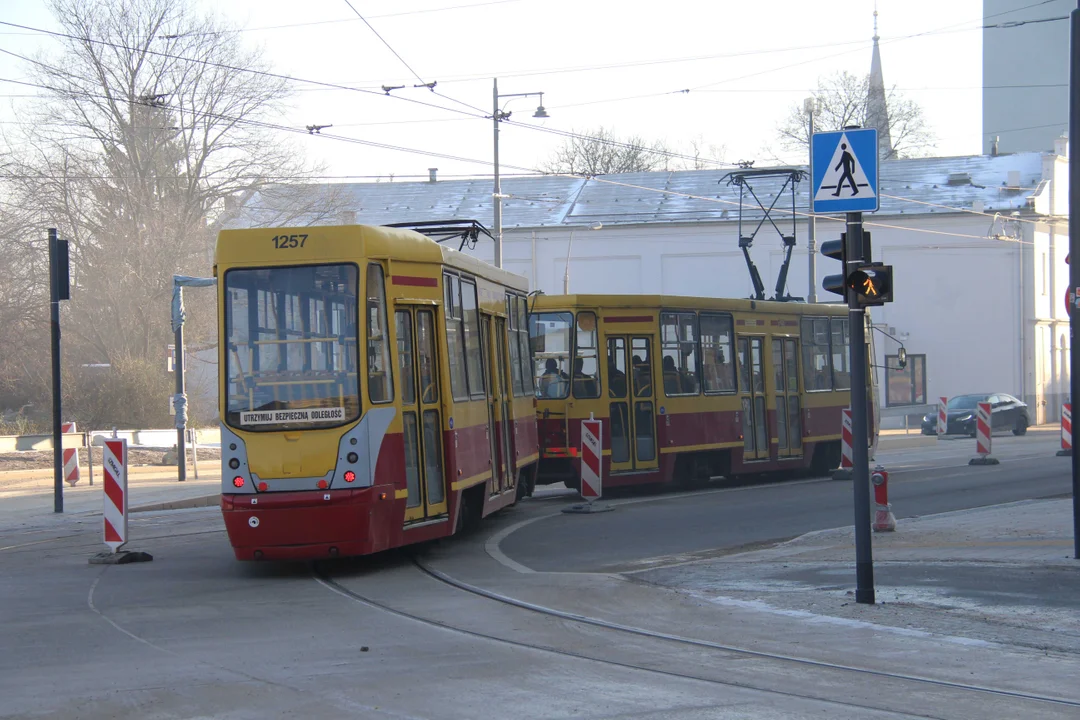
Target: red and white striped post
(71, 456)
(847, 454)
(942, 416)
(115, 488)
(1066, 430)
(984, 431)
(591, 467)
(114, 459)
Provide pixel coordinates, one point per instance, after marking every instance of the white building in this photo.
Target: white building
(978, 245)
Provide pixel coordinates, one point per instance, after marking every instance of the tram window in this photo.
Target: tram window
(792, 363)
(380, 380)
(678, 343)
(586, 370)
(815, 347)
(616, 359)
(515, 349)
(549, 334)
(523, 344)
(291, 338)
(473, 356)
(455, 345)
(429, 375)
(717, 368)
(778, 367)
(403, 323)
(840, 371)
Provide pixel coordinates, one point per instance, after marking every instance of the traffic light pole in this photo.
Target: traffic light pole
(860, 455)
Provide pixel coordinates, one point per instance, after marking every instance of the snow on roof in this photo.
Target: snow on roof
(917, 186)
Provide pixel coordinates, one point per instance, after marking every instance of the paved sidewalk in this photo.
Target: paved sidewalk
(1001, 574)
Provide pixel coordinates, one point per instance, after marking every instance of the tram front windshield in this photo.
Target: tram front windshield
(549, 334)
(291, 346)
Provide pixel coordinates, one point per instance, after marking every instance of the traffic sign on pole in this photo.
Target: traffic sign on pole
(844, 171)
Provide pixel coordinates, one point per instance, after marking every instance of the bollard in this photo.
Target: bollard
(71, 456)
(847, 455)
(942, 416)
(983, 433)
(884, 520)
(1066, 431)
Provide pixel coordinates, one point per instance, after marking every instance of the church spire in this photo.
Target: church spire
(877, 114)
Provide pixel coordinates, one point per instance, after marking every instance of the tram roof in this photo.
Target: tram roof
(919, 186)
(400, 244)
(682, 302)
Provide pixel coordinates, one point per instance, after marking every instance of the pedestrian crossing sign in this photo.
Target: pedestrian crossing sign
(844, 171)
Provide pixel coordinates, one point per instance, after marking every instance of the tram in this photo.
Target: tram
(691, 388)
(330, 451)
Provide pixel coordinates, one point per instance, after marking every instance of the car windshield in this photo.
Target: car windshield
(966, 402)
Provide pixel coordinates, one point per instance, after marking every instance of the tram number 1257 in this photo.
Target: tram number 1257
(282, 242)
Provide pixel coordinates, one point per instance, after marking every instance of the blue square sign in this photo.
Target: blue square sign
(844, 171)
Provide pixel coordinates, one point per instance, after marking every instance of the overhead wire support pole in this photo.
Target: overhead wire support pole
(497, 194)
(860, 454)
(1074, 250)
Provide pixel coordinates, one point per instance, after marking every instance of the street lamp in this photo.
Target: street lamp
(569, 247)
(496, 116)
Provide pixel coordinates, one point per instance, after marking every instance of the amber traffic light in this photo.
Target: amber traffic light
(871, 285)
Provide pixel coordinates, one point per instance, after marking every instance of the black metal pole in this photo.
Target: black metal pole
(1074, 251)
(181, 427)
(860, 455)
(54, 326)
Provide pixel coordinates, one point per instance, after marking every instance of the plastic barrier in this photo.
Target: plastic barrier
(1066, 430)
(983, 434)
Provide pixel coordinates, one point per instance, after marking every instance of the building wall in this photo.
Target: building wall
(1015, 60)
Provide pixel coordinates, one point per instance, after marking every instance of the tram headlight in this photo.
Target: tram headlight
(352, 458)
(234, 463)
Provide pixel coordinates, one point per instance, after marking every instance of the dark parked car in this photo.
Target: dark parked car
(1007, 413)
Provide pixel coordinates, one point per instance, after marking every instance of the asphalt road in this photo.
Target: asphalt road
(922, 481)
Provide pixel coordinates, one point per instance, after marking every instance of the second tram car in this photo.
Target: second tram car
(376, 390)
(691, 388)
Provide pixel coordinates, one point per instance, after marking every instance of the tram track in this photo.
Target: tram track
(944, 686)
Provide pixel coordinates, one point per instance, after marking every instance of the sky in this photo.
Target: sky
(624, 66)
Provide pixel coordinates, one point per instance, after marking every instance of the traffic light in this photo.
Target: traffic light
(871, 285)
(840, 284)
(837, 250)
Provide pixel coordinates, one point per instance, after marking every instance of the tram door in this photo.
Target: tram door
(633, 407)
(420, 413)
(785, 362)
(493, 333)
(752, 389)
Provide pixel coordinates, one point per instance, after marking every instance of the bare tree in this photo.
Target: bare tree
(600, 152)
(152, 117)
(841, 100)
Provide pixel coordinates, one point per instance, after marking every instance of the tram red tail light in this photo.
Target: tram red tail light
(238, 482)
(350, 476)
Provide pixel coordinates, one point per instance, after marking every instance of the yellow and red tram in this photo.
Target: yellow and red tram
(690, 388)
(376, 390)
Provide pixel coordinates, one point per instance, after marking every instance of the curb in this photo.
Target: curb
(196, 502)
